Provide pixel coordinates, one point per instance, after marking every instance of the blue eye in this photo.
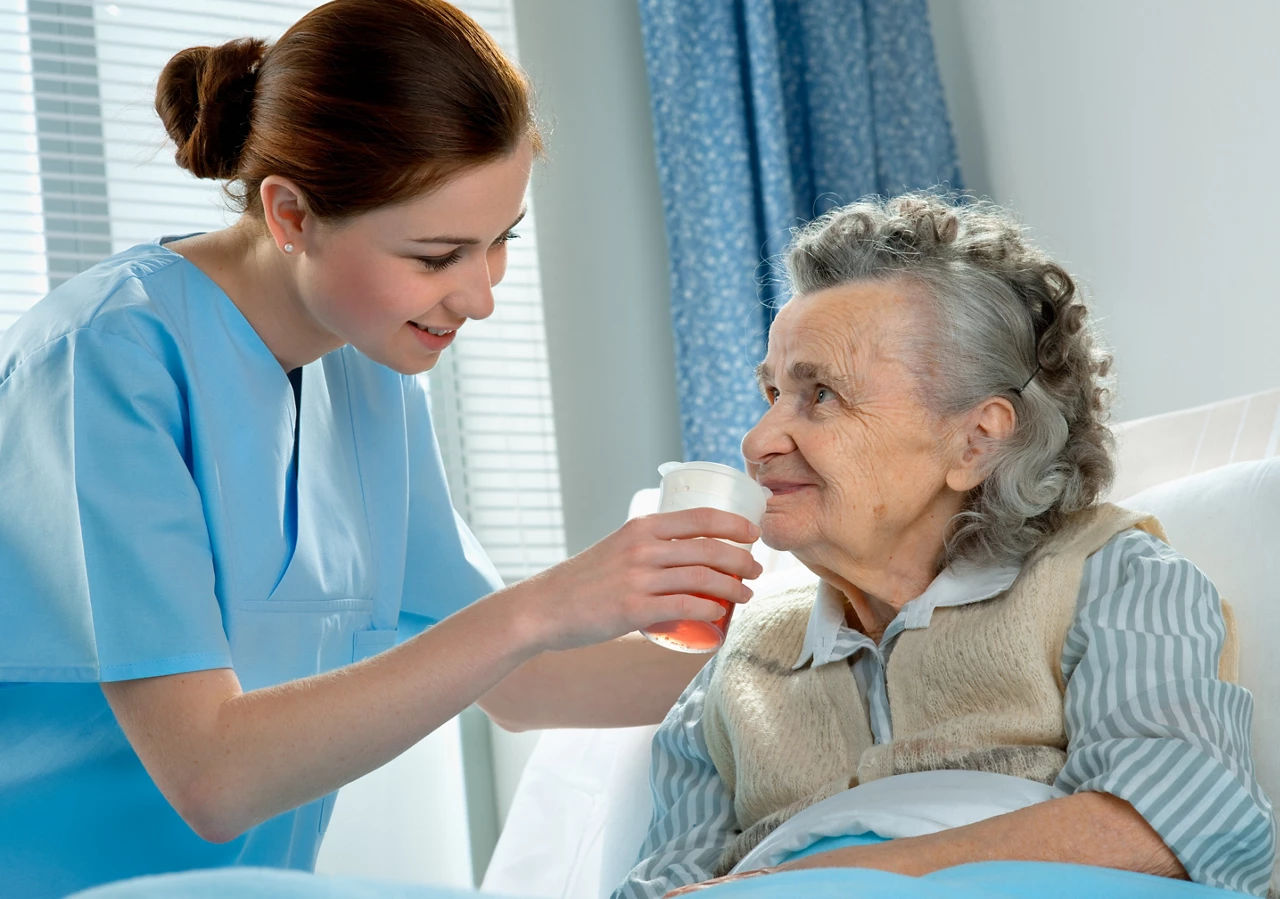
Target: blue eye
(509, 236)
(440, 263)
(822, 393)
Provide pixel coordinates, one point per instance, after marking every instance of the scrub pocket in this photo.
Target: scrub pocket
(274, 641)
(370, 643)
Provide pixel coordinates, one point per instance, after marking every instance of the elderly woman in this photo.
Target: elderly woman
(936, 447)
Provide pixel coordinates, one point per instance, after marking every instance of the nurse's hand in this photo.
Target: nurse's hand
(655, 568)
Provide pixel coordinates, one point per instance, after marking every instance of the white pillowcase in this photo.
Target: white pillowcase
(1227, 521)
(578, 817)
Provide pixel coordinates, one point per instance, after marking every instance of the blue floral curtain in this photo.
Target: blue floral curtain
(766, 114)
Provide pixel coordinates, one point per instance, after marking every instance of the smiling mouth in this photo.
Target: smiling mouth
(784, 489)
(438, 332)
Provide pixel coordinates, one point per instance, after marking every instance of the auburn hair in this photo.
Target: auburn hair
(362, 103)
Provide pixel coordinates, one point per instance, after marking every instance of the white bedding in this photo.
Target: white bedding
(905, 805)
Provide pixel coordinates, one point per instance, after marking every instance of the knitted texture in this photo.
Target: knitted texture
(980, 688)
(780, 739)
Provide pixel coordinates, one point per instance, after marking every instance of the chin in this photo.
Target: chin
(416, 367)
(777, 536)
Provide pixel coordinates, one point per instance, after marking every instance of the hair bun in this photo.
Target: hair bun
(205, 99)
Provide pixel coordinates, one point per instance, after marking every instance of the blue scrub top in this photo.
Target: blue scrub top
(152, 522)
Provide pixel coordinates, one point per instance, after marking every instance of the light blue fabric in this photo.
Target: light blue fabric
(152, 522)
(983, 880)
(260, 883)
(828, 844)
(766, 113)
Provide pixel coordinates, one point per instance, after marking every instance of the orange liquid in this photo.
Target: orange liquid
(693, 636)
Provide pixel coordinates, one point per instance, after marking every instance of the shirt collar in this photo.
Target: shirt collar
(958, 584)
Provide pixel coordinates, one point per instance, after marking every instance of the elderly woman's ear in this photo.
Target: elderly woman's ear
(979, 433)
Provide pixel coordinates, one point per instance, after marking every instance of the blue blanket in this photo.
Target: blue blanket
(982, 880)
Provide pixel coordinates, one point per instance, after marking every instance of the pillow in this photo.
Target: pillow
(578, 816)
(1227, 521)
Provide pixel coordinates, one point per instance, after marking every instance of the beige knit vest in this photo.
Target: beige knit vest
(980, 689)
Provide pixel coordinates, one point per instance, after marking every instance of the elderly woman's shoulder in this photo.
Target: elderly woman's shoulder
(1138, 569)
(1139, 585)
(1141, 539)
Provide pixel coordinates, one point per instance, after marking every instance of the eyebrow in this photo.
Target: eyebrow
(805, 372)
(465, 241)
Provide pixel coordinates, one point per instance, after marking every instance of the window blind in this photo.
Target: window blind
(86, 170)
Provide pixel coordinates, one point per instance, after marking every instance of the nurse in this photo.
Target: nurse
(231, 580)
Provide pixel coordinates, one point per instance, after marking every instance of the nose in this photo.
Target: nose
(472, 295)
(768, 438)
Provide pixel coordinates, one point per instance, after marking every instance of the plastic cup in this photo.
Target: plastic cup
(695, 485)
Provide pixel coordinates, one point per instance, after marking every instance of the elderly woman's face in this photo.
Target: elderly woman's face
(856, 463)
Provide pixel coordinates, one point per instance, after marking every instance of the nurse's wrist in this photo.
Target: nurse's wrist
(519, 622)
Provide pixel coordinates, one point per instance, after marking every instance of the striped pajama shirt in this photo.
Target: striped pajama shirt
(1147, 719)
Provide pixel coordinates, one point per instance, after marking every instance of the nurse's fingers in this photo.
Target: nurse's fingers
(680, 607)
(732, 560)
(702, 522)
(697, 580)
(651, 569)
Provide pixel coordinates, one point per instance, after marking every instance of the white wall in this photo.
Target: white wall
(603, 256)
(1140, 140)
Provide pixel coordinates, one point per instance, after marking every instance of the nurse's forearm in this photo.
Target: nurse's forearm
(227, 760)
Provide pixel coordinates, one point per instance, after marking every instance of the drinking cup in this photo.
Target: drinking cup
(693, 485)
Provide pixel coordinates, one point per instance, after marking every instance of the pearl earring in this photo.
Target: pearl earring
(288, 248)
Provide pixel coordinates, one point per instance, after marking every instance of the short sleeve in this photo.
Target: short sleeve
(693, 817)
(445, 567)
(1148, 719)
(105, 563)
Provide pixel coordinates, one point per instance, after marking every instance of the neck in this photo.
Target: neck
(261, 281)
(877, 585)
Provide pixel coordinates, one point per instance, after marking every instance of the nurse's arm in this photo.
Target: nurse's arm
(625, 682)
(227, 760)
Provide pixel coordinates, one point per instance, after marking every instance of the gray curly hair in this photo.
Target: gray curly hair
(1003, 315)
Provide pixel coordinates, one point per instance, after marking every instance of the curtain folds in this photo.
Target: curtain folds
(767, 113)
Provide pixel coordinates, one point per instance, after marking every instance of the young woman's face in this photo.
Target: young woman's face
(398, 282)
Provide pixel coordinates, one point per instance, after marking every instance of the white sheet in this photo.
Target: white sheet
(905, 805)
